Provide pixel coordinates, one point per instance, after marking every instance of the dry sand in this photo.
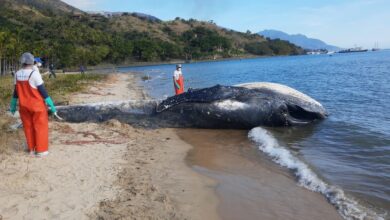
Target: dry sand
(106, 171)
(117, 87)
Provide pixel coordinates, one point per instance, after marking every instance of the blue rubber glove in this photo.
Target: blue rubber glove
(177, 84)
(12, 108)
(50, 103)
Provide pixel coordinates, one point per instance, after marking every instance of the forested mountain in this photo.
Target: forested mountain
(44, 6)
(299, 39)
(70, 37)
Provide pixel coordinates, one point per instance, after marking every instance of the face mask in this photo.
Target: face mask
(39, 64)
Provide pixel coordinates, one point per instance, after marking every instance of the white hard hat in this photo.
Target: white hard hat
(178, 66)
(27, 58)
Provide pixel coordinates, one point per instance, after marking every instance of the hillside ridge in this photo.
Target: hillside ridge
(69, 37)
(299, 39)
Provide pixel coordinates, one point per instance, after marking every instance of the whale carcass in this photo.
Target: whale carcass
(242, 106)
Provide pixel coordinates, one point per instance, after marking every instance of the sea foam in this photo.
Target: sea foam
(348, 207)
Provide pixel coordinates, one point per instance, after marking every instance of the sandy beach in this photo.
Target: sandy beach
(115, 171)
(105, 171)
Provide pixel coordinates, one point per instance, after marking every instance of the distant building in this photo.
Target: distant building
(97, 17)
(77, 16)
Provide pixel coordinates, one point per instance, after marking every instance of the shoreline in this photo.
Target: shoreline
(250, 185)
(182, 194)
(113, 170)
(110, 68)
(211, 196)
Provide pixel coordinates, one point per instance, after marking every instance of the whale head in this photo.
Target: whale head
(293, 106)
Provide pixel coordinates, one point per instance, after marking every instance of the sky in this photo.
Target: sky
(343, 23)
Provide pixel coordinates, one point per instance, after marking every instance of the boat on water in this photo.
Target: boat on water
(376, 47)
(353, 50)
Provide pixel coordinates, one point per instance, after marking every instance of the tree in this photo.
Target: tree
(146, 50)
(259, 48)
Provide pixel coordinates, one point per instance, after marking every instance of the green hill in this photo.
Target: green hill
(69, 37)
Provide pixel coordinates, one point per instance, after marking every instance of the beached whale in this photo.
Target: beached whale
(242, 106)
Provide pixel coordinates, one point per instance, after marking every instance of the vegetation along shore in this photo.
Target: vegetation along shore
(69, 37)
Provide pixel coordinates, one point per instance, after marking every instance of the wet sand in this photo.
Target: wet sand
(250, 186)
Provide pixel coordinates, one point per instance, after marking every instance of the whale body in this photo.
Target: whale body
(242, 106)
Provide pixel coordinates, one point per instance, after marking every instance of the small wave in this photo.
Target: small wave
(346, 206)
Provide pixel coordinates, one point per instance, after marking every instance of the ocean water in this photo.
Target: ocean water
(345, 157)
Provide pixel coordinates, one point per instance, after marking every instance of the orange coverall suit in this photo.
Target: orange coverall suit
(34, 115)
(180, 82)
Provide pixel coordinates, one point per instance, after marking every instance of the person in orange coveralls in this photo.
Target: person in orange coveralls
(178, 80)
(32, 96)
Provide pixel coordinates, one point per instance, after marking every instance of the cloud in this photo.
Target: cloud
(82, 4)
